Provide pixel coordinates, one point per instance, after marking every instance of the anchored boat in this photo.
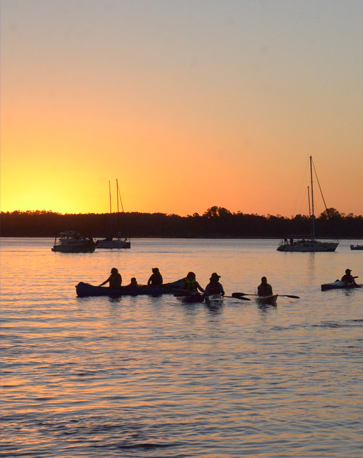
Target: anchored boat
(112, 242)
(307, 244)
(73, 242)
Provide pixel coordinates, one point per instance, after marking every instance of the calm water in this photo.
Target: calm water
(150, 377)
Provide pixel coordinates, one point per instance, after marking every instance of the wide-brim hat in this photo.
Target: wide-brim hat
(215, 275)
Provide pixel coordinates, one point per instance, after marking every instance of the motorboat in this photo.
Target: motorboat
(73, 242)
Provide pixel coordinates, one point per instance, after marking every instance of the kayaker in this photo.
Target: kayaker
(114, 280)
(190, 284)
(156, 279)
(214, 287)
(264, 289)
(133, 283)
(348, 278)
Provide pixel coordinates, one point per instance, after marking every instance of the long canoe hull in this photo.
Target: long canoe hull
(338, 285)
(87, 290)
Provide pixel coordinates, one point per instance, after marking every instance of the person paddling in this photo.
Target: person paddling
(214, 287)
(190, 284)
(155, 279)
(348, 278)
(264, 289)
(114, 280)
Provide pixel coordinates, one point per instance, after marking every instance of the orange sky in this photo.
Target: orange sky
(187, 104)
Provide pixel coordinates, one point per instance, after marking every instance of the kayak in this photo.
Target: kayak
(338, 285)
(214, 300)
(86, 290)
(191, 298)
(266, 300)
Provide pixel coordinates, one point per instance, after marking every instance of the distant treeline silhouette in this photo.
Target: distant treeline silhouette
(215, 222)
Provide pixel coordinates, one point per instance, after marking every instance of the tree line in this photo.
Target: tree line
(216, 222)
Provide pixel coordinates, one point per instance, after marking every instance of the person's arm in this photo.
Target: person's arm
(106, 281)
(199, 287)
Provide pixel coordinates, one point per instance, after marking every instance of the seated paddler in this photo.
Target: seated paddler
(156, 278)
(190, 284)
(114, 280)
(264, 289)
(214, 287)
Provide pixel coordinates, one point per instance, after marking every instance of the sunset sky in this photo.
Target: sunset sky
(188, 103)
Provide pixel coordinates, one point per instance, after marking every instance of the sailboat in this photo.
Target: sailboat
(114, 242)
(308, 244)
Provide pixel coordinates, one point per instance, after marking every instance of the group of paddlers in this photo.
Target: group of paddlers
(189, 283)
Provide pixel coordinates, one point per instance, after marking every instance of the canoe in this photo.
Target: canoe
(214, 300)
(266, 300)
(338, 285)
(86, 290)
(191, 298)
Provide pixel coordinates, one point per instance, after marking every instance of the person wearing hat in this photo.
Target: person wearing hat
(348, 278)
(214, 287)
(156, 279)
(264, 289)
(114, 279)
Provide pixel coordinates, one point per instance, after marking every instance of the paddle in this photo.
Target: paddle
(239, 295)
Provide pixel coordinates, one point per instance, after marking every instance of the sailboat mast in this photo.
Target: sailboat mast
(312, 199)
(309, 201)
(109, 192)
(118, 211)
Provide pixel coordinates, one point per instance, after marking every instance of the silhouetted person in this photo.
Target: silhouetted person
(348, 278)
(214, 287)
(190, 284)
(133, 283)
(114, 279)
(156, 279)
(264, 289)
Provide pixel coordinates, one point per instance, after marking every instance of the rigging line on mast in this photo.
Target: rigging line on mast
(321, 192)
(119, 197)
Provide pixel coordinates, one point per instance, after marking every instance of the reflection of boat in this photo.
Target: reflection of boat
(339, 285)
(266, 300)
(72, 242)
(85, 290)
(112, 242)
(356, 247)
(307, 244)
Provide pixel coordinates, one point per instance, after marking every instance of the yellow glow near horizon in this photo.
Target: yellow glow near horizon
(186, 116)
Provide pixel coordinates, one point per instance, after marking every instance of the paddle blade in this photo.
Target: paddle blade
(290, 295)
(238, 295)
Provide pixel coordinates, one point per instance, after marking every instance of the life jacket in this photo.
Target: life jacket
(191, 285)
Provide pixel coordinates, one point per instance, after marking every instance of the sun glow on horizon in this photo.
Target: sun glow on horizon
(216, 109)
